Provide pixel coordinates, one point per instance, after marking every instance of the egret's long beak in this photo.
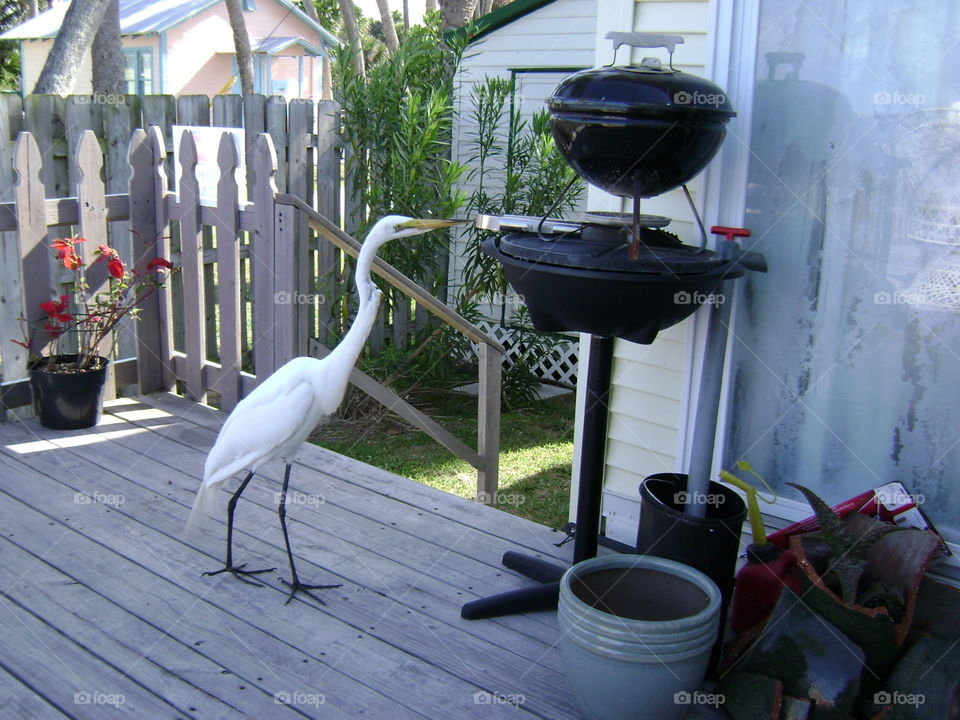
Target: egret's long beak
(429, 224)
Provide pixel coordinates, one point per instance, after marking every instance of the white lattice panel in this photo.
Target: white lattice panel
(560, 367)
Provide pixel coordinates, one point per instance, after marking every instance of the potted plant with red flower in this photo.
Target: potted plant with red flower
(68, 387)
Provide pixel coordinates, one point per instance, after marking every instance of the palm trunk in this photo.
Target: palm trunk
(457, 13)
(72, 42)
(241, 42)
(389, 31)
(108, 61)
(353, 34)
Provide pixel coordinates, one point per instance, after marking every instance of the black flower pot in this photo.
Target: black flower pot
(68, 399)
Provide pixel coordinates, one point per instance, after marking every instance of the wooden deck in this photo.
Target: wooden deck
(105, 613)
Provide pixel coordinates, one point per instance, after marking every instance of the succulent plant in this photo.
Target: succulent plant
(848, 541)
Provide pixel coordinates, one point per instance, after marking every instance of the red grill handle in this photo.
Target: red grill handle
(731, 233)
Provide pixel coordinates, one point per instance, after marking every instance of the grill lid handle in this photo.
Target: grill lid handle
(644, 40)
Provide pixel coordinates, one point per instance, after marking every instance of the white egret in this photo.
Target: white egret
(273, 421)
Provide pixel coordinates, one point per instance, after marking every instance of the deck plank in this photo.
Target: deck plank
(389, 643)
(147, 655)
(299, 625)
(427, 542)
(19, 701)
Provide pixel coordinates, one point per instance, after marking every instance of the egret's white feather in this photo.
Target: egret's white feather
(274, 420)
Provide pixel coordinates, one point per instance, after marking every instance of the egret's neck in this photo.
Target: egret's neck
(352, 344)
(368, 251)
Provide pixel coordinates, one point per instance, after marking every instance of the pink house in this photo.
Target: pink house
(185, 47)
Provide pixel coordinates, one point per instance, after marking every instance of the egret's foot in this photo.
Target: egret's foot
(297, 586)
(239, 572)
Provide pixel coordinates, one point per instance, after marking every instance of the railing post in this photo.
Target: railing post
(289, 295)
(488, 423)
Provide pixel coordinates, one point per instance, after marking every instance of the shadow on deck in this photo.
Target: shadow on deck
(105, 612)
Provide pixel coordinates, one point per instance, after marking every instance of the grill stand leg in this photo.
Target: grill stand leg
(589, 496)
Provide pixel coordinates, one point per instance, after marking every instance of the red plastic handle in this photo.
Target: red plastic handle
(730, 232)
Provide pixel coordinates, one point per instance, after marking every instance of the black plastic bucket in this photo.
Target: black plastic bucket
(709, 544)
(68, 400)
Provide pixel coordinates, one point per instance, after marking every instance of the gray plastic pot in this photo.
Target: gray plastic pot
(636, 635)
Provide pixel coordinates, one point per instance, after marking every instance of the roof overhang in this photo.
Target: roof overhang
(276, 45)
(485, 24)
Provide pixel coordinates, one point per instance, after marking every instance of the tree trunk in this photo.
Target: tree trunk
(457, 13)
(327, 79)
(311, 10)
(352, 33)
(108, 60)
(72, 42)
(406, 14)
(241, 42)
(33, 9)
(389, 30)
(432, 6)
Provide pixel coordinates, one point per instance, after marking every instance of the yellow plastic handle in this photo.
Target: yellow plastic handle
(753, 508)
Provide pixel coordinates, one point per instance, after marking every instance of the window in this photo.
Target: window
(846, 355)
(139, 71)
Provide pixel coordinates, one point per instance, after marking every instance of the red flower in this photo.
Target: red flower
(57, 310)
(53, 330)
(66, 252)
(117, 268)
(159, 264)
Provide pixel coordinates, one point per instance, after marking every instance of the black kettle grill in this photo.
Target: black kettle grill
(634, 131)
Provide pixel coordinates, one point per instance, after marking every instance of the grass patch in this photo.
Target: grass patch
(536, 450)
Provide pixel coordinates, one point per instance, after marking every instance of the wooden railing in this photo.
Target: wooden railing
(246, 255)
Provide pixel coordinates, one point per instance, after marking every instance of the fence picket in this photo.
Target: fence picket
(92, 208)
(262, 253)
(191, 248)
(33, 249)
(228, 275)
(328, 204)
(146, 161)
(276, 115)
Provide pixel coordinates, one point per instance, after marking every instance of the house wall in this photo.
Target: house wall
(561, 34)
(35, 54)
(200, 51)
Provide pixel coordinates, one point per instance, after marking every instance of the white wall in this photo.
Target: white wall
(560, 34)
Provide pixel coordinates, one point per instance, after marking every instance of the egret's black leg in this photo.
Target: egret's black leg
(229, 567)
(294, 583)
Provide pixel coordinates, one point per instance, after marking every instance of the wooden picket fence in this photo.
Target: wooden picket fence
(239, 267)
(305, 136)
